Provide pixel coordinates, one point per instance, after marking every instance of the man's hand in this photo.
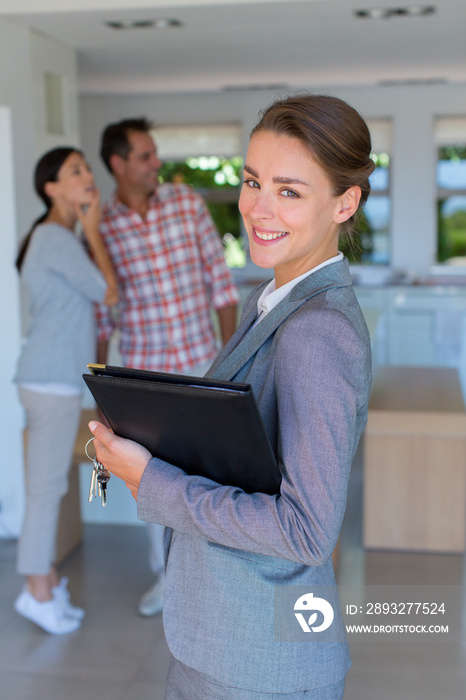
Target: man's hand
(124, 458)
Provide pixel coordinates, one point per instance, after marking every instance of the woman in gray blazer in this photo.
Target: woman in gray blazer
(234, 560)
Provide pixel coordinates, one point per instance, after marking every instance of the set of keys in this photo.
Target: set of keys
(99, 479)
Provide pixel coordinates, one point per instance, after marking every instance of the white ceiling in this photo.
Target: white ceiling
(247, 43)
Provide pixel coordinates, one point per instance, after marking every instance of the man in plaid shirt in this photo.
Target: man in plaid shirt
(171, 272)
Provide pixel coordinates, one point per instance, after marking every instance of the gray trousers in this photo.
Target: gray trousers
(52, 424)
(185, 683)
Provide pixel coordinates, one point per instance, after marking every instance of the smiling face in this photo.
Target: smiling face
(75, 182)
(291, 215)
(139, 171)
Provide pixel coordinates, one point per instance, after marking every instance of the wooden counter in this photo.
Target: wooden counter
(415, 461)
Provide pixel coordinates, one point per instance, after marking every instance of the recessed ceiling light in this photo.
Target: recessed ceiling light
(161, 23)
(389, 12)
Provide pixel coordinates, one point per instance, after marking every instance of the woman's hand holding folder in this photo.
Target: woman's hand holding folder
(124, 458)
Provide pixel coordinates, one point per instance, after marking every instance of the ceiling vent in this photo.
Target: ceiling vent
(391, 12)
(161, 23)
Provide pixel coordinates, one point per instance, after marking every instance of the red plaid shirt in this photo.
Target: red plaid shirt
(171, 271)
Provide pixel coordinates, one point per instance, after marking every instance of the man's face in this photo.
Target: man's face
(140, 170)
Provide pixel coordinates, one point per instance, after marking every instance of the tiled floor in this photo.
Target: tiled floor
(117, 655)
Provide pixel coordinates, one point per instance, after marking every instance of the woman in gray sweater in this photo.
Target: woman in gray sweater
(62, 283)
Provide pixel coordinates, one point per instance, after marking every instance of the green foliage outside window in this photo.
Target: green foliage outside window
(205, 171)
(368, 243)
(358, 246)
(217, 180)
(453, 154)
(451, 207)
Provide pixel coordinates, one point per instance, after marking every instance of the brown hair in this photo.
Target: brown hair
(335, 134)
(115, 138)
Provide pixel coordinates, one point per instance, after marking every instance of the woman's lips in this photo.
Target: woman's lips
(267, 236)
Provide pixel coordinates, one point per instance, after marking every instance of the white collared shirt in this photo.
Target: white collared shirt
(270, 297)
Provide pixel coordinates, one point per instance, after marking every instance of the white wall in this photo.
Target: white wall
(22, 139)
(16, 204)
(15, 93)
(50, 56)
(29, 55)
(412, 109)
(11, 473)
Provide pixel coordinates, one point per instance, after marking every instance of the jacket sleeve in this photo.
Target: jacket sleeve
(321, 390)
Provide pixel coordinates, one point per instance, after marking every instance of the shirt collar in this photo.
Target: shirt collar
(270, 297)
(117, 205)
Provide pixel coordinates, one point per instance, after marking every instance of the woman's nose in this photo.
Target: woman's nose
(262, 207)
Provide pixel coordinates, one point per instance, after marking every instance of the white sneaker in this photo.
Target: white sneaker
(151, 603)
(48, 615)
(62, 595)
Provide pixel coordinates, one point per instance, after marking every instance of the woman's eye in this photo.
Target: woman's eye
(289, 193)
(251, 183)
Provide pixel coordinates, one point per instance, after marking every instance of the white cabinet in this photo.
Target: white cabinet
(410, 341)
(422, 325)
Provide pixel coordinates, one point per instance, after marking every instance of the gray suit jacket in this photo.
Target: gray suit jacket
(308, 362)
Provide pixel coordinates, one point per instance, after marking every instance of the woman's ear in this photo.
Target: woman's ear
(50, 189)
(348, 204)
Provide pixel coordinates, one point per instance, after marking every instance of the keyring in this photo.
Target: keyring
(92, 459)
(99, 477)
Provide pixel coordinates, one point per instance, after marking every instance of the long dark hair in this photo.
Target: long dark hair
(46, 170)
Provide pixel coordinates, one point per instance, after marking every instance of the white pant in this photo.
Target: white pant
(52, 424)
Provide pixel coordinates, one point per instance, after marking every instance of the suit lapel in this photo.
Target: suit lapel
(247, 340)
(247, 319)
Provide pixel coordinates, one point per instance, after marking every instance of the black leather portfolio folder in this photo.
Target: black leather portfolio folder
(204, 426)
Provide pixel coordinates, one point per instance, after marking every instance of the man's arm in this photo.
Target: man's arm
(218, 278)
(227, 319)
